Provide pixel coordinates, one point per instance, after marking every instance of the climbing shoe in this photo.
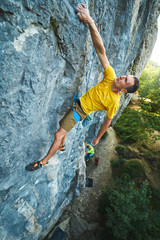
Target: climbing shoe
(34, 166)
(61, 148)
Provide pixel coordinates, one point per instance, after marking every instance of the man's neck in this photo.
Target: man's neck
(114, 89)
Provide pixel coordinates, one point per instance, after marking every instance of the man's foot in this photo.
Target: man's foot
(61, 148)
(34, 166)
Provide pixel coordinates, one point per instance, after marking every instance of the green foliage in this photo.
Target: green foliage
(133, 168)
(134, 126)
(146, 106)
(105, 135)
(122, 151)
(148, 155)
(151, 120)
(127, 211)
(150, 106)
(130, 128)
(150, 82)
(53, 24)
(155, 200)
(118, 163)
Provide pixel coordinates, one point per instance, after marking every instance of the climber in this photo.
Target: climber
(90, 152)
(104, 96)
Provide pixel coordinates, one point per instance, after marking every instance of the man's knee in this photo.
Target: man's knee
(60, 134)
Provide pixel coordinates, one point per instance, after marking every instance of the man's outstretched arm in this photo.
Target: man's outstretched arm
(102, 130)
(84, 16)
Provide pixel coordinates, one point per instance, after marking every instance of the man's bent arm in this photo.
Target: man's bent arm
(102, 130)
(96, 38)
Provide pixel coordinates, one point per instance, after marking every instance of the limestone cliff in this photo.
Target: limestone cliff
(46, 53)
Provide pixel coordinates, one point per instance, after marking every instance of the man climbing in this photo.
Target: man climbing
(104, 96)
(90, 152)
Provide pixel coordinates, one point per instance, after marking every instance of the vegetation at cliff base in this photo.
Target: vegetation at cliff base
(130, 204)
(150, 86)
(136, 126)
(129, 127)
(128, 212)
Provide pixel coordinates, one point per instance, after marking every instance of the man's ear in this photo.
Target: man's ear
(124, 90)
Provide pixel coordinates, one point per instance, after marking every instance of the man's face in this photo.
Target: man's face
(124, 82)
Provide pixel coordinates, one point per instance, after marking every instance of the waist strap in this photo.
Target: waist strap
(75, 114)
(77, 105)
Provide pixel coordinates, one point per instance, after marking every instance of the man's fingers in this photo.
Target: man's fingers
(83, 5)
(78, 14)
(80, 6)
(78, 9)
(81, 12)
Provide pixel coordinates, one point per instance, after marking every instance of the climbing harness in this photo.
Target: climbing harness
(88, 119)
(75, 114)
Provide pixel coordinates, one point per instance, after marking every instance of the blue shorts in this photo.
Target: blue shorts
(88, 156)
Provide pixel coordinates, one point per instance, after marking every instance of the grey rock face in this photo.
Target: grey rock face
(45, 54)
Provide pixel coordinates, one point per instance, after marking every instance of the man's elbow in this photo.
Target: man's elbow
(101, 50)
(108, 120)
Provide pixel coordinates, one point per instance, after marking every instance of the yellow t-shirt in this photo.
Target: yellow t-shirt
(101, 97)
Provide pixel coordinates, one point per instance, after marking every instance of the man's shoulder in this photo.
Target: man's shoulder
(109, 73)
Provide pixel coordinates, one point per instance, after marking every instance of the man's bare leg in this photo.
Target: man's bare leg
(59, 136)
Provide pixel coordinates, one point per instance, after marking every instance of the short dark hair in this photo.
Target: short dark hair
(134, 87)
